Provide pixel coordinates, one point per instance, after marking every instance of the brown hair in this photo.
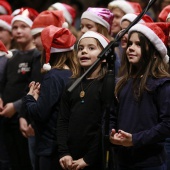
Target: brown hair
(59, 60)
(104, 31)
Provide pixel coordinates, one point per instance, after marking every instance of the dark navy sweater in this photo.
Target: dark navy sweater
(148, 121)
(44, 112)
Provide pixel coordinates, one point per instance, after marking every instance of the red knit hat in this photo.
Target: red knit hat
(3, 51)
(47, 18)
(132, 16)
(125, 6)
(26, 15)
(164, 13)
(5, 22)
(101, 16)
(5, 7)
(69, 11)
(55, 40)
(157, 33)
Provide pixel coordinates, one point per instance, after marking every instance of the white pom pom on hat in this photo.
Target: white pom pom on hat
(47, 67)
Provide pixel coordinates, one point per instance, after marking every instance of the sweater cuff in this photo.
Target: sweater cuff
(17, 105)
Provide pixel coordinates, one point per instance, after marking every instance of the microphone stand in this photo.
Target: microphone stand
(109, 84)
(109, 48)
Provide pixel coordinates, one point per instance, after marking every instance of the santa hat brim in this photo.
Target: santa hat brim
(5, 25)
(36, 30)
(23, 19)
(92, 34)
(58, 50)
(91, 16)
(130, 17)
(123, 5)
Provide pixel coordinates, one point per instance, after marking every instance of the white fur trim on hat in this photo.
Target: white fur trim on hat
(47, 66)
(3, 10)
(35, 31)
(168, 17)
(8, 55)
(23, 19)
(91, 16)
(61, 7)
(58, 50)
(92, 34)
(130, 17)
(151, 35)
(123, 5)
(5, 25)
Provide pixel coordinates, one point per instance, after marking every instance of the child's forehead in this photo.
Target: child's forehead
(88, 40)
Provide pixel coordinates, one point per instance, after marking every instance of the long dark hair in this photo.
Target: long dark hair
(151, 64)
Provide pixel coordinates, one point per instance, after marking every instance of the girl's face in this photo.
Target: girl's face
(88, 51)
(118, 14)
(124, 39)
(133, 51)
(21, 32)
(38, 42)
(87, 25)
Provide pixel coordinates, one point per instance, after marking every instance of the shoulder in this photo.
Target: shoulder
(155, 83)
(57, 74)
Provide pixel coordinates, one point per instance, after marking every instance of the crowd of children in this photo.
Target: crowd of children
(45, 126)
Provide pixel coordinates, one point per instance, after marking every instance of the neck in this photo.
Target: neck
(8, 46)
(95, 74)
(26, 47)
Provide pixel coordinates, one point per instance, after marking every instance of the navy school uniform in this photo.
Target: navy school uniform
(148, 121)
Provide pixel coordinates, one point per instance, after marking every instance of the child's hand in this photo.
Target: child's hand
(34, 89)
(66, 162)
(79, 164)
(121, 138)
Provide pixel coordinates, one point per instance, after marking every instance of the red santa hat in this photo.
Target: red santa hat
(26, 15)
(132, 16)
(55, 40)
(164, 13)
(4, 51)
(5, 22)
(5, 7)
(47, 18)
(125, 6)
(69, 11)
(157, 33)
(101, 16)
(91, 34)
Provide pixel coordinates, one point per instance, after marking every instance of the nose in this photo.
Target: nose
(84, 51)
(18, 30)
(83, 30)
